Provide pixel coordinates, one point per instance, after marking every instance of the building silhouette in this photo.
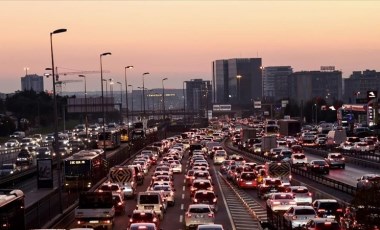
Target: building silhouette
(357, 85)
(198, 96)
(228, 88)
(32, 82)
(275, 82)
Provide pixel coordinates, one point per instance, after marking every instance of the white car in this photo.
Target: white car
(210, 227)
(297, 216)
(12, 143)
(220, 156)
(301, 194)
(198, 214)
(175, 166)
(281, 201)
(167, 190)
(298, 159)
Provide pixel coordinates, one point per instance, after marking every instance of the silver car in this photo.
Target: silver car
(198, 214)
(297, 216)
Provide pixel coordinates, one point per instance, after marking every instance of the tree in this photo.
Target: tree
(7, 126)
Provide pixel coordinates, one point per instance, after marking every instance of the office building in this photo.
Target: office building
(275, 82)
(198, 96)
(237, 81)
(357, 85)
(32, 82)
(307, 85)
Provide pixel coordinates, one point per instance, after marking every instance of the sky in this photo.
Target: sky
(179, 40)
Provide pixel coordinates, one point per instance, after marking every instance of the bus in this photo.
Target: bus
(12, 209)
(84, 169)
(124, 135)
(109, 139)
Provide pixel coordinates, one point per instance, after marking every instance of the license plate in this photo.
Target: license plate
(148, 207)
(94, 221)
(248, 182)
(199, 216)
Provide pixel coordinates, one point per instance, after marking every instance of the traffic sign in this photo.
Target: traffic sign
(257, 104)
(372, 94)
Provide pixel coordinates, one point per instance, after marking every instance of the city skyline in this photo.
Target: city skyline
(180, 40)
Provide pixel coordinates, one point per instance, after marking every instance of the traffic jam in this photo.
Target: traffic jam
(192, 163)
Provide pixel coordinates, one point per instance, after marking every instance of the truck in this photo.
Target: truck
(289, 127)
(125, 176)
(267, 143)
(280, 170)
(95, 210)
(248, 133)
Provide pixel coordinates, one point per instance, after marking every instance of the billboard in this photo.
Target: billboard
(92, 104)
(221, 107)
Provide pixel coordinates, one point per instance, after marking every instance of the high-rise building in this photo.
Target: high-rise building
(32, 82)
(237, 81)
(306, 85)
(275, 82)
(357, 85)
(198, 96)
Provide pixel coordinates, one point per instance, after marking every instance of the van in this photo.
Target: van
(152, 200)
(335, 138)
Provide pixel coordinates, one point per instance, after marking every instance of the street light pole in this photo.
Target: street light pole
(163, 96)
(132, 101)
(184, 100)
(55, 143)
(126, 89)
(121, 101)
(143, 88)
(85, 104)
(104, 115)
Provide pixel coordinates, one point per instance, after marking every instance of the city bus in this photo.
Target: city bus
(84, 169)
(109, 139)
(12, 209)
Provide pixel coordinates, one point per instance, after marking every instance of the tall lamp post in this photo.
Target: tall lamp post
(55, 144)
(238, 87)
(121, 100)
(85, 104)
(184, 100)
(163, 97)
(126, 88)
(131, 100)
(143, 88)
(104, 114)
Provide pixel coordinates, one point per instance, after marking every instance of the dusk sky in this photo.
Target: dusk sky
(180, 39)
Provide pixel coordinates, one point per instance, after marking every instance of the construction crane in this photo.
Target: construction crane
(61, 84)
(77, 72)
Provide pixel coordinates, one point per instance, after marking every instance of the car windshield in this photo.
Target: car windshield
(199, 210)
(319, 162)
(329, 205)
(273, 182)
(161, 188)
(143, 217)
(305, 211)
(248, 176)
(201, 196)
(149, 199)
(283, 196)
(336, 156)
(300, 190)
(202, 185)
(299, 156)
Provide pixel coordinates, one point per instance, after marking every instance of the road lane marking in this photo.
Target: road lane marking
(183, 196)
(180, 218)
(182, 206)
(183, 188)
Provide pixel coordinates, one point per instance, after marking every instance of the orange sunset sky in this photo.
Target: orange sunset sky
(180, 39)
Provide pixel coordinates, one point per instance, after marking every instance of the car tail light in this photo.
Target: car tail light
(276, 202)
(310, 194)
(188, 214)
(211, 215)
(339, 210)
(130, 220)
(214, 200)
(79, 222)
(119, 203)
(195, 200)
(154, 219)
(107, 221)
(294, 218)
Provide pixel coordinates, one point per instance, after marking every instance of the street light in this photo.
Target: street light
(143, 88)
(104, 115)
(184, 100)
(316, 113)
(85, 104)
(132, 102)
(121, 101)
(163, 96)
(126, 88)
(238, 86)
(55, 143)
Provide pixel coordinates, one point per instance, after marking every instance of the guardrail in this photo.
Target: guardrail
(357, 160)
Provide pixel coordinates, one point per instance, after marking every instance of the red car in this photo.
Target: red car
(247, 180)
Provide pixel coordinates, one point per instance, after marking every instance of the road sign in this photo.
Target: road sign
(257, 104)
(372, 94)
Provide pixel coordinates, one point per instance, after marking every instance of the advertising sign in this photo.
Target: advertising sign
(45, 173)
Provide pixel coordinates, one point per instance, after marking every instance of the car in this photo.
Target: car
(247, 180)
(335, 160)
(322, 224)
(144, 216)
(327, 208)
(168, 192)
(202, 174)
(8, 169)
(43, 153)
(145, 226)
(231, 172)
(118, 203)
(189, 177)
(297, 216)
(200, 184)
(318, 166)
(12, 143)
(368, 180)
(220, 156)
(269, 186)
(301, 194)
(24, 158)
(152, 200)
(176, 166)
(206, 197)
(281, 201)
(198, 214)
(115, 188)
(224, 166)
(298, 159)
(210, 227)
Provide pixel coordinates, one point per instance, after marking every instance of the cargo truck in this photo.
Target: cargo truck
(289, 127)
(126, 178)
(267, 143)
